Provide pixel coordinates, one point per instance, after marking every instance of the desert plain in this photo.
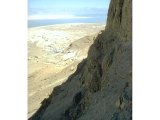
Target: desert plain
(54, 52)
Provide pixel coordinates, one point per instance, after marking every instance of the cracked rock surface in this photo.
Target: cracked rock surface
(101, 87)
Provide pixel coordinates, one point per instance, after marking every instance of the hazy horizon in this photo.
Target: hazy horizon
(66, 9)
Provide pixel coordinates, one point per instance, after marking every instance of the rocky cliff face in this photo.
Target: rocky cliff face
(101, 87)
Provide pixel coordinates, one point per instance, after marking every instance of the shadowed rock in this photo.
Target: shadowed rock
(101, 87)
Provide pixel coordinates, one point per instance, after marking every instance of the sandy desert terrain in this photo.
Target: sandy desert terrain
(53, 54)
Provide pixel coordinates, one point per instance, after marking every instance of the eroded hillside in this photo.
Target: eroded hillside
(101, 87)
(53, 54)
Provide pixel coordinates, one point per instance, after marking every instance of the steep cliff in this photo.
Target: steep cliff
(101, 87)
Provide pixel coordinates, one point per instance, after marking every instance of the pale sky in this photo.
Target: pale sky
(43, 9)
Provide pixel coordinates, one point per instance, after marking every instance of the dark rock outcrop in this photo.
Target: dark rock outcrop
(101, 87)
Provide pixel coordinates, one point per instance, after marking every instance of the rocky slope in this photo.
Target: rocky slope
(53, 54)
(101, 87)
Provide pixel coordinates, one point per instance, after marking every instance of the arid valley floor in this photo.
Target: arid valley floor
(53, 54)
